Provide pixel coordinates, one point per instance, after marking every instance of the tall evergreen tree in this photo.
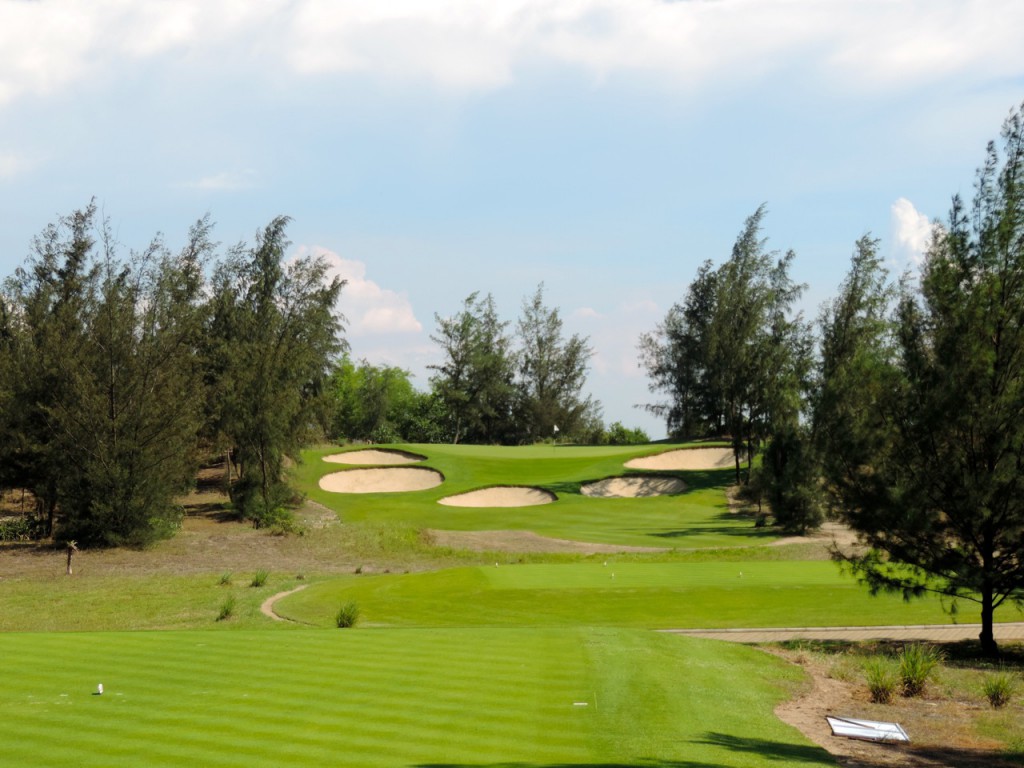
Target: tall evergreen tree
(107, 371)
(272, 336)
(676, 357)
(734, 357)
(474, 382)
(933, 482)
(552, 371)
(48, 299)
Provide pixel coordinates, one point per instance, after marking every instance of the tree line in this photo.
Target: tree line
(121, 371)
(900, 411)
(494, 384)
(118, 372)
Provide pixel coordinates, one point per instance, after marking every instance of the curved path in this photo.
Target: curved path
(940, 633)
(267, 607)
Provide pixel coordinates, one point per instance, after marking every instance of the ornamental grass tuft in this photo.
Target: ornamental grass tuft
(227, 608)
(917, 662)
(347, 615)
(882, 678)
(999, 689)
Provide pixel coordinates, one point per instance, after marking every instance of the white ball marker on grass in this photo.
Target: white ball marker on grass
(99, 689)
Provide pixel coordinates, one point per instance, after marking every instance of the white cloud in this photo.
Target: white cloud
(466, 45)
(912, 231)
(226, 180)
(369, 309)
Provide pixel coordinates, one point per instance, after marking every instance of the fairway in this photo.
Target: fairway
(631, 594)
(393, 698)
(694, 515)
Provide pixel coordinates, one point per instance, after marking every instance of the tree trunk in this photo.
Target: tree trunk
(989, 647)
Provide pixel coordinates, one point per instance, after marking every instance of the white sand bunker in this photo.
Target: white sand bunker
(501, 496)
(634, 487)
(374, 456)
(686, 458)
(385, 480)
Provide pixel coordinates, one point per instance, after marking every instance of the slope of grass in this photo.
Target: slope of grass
(697, 518)
(393, 698)
(635, 594)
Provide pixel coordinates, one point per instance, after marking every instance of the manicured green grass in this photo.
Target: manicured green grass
(633, 594)
(393, 698)
(697, 518)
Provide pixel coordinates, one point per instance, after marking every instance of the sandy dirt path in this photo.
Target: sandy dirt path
(267, 607)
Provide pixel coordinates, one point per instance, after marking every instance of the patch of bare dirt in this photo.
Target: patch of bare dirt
(522, 541)
(940, 729)
(211, 539)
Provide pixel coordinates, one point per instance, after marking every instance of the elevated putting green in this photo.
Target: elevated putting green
(393, 698)
(699, 516)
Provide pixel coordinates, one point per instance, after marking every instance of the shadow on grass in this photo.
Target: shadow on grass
(785, 753)
(747, 532)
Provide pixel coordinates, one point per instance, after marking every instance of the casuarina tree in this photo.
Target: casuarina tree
(927, 453)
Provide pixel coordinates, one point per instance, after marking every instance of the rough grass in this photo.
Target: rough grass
(396, 697)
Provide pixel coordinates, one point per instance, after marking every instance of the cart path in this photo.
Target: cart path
(267, 608)
(940, 633)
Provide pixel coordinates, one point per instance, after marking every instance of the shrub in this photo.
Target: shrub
(347, 615)
(917, 662)
(999, 689)
(882, 679)
(225, 579)
(15, 529)
(260, 577)
(227, 608)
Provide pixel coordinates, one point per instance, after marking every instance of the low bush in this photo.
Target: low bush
(998, 689)
(883, 678)
(347, 615)
(917, 662)
(225, 579)
(260, 577)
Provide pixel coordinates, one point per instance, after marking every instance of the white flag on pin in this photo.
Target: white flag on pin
(556, 429)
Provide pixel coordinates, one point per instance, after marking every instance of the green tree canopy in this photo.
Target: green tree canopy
(272, 336)
(930, 471)
(552, 370)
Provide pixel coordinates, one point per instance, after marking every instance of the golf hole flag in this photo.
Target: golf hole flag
(556, 429)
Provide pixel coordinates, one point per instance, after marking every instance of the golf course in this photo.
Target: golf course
(512, 627)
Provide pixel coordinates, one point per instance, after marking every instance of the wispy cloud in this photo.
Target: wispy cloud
(226, 180)
(467, 46)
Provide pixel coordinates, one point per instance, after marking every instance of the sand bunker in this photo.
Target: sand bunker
(634, 487)
(385, 480)
(501, 496)
(374, 456)
(686, 458)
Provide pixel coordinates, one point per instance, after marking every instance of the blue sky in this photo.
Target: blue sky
(432, 149)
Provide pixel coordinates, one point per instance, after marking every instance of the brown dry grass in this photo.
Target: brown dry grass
(947, 725)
